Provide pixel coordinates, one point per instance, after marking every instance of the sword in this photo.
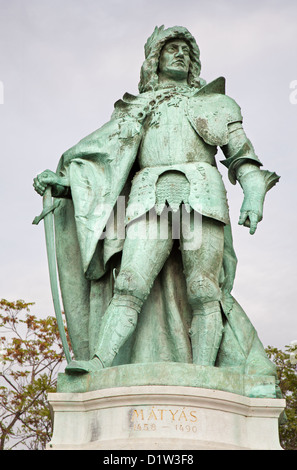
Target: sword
(47, 215)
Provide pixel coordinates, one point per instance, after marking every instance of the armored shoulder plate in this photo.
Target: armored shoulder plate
(210, 111)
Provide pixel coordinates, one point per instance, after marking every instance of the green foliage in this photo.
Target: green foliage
(29, 362)
(287, 374)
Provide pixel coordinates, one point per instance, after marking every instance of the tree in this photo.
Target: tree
(30, 359)
(287, 375)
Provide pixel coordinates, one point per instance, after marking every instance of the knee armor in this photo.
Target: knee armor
(202, 290)
(129, 282)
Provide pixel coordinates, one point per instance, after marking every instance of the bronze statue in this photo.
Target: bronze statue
(148, 298)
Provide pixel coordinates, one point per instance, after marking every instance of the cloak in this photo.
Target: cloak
(99, 170)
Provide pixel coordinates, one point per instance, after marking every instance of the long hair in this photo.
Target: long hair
(153, 47)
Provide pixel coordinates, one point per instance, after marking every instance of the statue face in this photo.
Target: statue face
(175, 60)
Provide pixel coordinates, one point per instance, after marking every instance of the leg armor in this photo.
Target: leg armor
(202, 269)
(206, 333)
(207, 327)
(142, 260)
(118, 324)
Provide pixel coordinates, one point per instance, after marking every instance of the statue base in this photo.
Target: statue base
(164, 416)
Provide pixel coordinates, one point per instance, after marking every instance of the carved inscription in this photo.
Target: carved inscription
(153, 418)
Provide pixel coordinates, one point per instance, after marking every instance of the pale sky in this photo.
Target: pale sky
(63, 64)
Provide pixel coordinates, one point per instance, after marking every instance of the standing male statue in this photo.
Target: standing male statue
(145, 299)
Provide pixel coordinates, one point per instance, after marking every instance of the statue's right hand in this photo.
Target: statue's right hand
(46, 178)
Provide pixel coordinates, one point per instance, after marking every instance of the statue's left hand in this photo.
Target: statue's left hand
(252, 181)
(251, 213)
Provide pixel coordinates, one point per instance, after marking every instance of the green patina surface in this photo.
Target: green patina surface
(132, 295)
(171, 374)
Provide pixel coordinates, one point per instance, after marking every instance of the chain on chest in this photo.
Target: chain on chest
(168, 110)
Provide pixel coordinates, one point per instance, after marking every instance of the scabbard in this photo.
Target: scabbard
(52, 265)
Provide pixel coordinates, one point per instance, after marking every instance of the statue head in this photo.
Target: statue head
(174, 62)
(149, 77)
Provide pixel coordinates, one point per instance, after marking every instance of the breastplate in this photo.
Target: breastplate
(169, 137)
(176, 165)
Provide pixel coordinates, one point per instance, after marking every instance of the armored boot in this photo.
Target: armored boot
(118, 324)
(206, 333)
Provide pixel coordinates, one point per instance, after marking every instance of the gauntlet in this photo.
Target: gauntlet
(244, 166)
(255, 184)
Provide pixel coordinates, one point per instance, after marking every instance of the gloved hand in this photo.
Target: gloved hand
(254, 188)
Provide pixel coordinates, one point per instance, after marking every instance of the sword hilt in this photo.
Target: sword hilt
(48, 206)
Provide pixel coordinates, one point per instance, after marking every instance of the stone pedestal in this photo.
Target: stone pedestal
(156, 417)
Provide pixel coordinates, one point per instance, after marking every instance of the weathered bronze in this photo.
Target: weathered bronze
(143, 238)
